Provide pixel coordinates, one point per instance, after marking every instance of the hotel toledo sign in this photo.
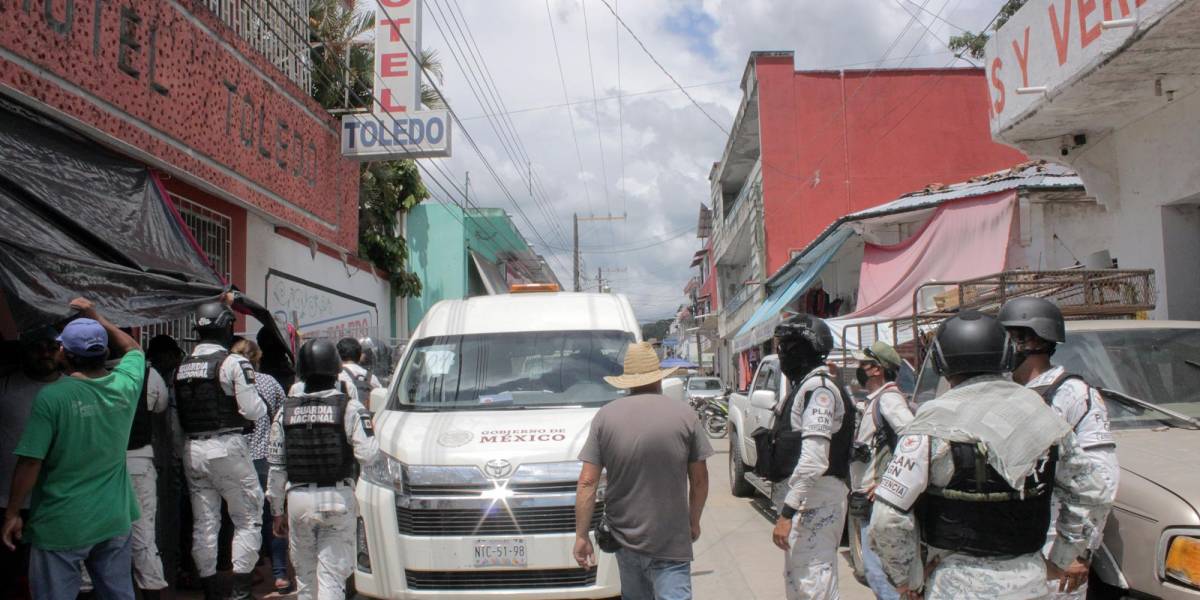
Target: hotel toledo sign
(396, 127)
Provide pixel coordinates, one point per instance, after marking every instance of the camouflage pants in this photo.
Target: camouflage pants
(321, 524)
(220, 468)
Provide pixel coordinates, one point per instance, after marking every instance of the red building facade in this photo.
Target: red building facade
(810, 146)
(213, 96)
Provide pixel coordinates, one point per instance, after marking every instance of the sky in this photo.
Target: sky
(630, 142)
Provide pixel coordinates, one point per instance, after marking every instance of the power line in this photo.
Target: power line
(596, 108)
(935, 16)
(489, 99)
(620, 119)
(570, 116)
(660, 66)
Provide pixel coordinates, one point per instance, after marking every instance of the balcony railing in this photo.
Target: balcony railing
(276, 29)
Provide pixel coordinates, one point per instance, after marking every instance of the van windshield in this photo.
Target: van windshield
(498, 371)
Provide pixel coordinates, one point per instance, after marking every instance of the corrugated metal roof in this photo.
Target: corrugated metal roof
(1033, 175)
(1029, 175)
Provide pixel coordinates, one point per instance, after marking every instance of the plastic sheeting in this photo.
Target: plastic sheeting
(78, 220)
(963, 239)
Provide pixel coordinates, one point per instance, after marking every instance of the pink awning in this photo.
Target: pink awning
(964, 239)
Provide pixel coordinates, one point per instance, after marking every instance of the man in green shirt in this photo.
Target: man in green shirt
(72, 458)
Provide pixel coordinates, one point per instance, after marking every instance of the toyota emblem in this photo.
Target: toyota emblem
(497, 468)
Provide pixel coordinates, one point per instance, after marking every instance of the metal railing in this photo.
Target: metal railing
(276, 29)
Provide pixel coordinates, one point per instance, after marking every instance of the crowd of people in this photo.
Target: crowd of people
(998, 488)
(79, 482)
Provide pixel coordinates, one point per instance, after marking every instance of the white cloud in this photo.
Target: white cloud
(669, 146)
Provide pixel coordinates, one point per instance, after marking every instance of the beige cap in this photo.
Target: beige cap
(882, 353)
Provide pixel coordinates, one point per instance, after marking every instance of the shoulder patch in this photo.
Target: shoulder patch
(248, 372)
(907, 475)
(366, 418)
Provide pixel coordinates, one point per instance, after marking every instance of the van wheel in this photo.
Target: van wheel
(854, 545)
(738, 486)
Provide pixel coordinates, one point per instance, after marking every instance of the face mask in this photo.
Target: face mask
(861, 375)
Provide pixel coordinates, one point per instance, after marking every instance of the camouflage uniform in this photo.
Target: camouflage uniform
(810, 568)
(1083, 408)
(1018, 430)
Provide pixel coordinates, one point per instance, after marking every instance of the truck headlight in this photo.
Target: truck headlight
(1183, 560)
(385, 472)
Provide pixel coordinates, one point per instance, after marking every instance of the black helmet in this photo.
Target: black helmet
(805, 330)
(1038, 314)
(214, 316)
(319, 357)
(972, 342)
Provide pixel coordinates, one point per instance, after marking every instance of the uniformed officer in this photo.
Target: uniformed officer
(886, 413)
(1036, 326)
(216, 399)
(972, 480)
(139, 461)
(315, 441)
(812, 507)
(353, 374)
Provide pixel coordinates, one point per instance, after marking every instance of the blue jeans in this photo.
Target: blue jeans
(876, 579)
(54, 574)
(647, 578)
(278, 546)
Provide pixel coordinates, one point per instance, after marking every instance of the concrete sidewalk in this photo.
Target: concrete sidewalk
(734, 555)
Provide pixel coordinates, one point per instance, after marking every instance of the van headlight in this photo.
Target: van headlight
(385, 472)
(1183, 560)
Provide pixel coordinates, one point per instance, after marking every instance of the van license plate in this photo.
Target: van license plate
(501, 553)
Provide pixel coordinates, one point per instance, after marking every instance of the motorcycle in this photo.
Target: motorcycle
(714, 415)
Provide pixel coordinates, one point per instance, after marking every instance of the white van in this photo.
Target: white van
(482, 425)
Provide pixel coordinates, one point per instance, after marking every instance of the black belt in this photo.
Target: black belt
(208, 435)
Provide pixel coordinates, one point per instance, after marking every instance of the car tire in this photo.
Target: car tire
(738, 486)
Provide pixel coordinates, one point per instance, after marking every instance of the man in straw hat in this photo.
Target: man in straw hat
(651, 446)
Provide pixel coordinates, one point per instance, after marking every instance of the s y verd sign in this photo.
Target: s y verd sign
(396, 127)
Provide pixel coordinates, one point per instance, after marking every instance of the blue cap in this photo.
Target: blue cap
(84, 337)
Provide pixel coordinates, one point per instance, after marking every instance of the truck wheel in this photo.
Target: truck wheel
(738, 486)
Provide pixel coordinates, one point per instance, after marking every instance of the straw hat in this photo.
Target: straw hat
(641, 368)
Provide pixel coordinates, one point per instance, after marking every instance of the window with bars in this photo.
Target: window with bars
(212, 231)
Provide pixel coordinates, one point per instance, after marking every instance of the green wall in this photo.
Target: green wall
(439, 236)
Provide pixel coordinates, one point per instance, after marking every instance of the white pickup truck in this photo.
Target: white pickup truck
(748, 412)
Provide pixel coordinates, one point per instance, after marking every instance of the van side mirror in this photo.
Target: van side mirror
(378, 401)
(764, 399)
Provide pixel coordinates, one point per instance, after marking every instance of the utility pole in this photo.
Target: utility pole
(575, 254)
(577, 219)
(600, 280)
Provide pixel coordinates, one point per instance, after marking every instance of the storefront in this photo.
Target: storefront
(1109, 88)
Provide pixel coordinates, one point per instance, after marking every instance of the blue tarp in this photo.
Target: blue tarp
(759, 327)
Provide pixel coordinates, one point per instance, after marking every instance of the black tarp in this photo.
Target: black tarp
(78, 220)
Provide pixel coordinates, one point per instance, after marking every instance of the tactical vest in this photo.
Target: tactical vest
(140, 432)
(203, 406)
(782, 446)
(980, 514)
(1050, 390)
(885, 435)
(315, 443)
(362, 383)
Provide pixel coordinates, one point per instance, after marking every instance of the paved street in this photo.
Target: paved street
(734, 556)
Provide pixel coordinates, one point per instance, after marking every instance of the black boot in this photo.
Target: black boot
(242, 584)
(151, 595)
(211, 587)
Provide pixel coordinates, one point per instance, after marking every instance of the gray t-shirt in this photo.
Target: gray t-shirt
(645, 443)
(16, 401)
